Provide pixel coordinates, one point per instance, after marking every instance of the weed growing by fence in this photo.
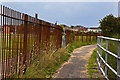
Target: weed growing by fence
(92, 66)
(112, 61)
(46, 65)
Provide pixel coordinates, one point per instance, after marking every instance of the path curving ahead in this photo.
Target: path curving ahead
(76, 67)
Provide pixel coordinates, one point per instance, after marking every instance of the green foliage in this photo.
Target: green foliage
(109, 25)
(61, 26)
(47, 64)
(118, 26)
(112, 61)
(78, 44)
(72, 27)
(92, 66)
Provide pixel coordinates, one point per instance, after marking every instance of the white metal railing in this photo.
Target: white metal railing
(100, 59)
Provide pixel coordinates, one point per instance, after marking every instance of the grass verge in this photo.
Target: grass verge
(92, 66)
(78, 44)
(47, 64)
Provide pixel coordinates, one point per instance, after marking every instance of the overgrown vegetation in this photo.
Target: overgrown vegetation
(47, 63)
(92, 65)
(112, 61)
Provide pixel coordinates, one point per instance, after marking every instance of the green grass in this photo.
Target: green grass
(47, 64)
(78, 44)
(92, 66)
(112, 61)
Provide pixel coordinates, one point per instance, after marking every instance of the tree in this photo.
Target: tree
(118, 25)
(72, 27)
(108, 25)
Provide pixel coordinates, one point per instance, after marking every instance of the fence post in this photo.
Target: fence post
(97, 54)
(1, 60)
(64, 39)
(25, 44)
(101, 53)
(90, 36)
(96, 35)
(98, 49)
(106, 56)
(82, 36)
(118, 61)
(86, 37)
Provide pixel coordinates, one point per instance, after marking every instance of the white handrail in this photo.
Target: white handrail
(108, 51)
(99, 56)
(107, 38)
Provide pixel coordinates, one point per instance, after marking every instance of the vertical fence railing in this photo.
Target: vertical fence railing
(106, 57)
(118, 60)
(79, 36)
(0, 41)
(101, 42)
(22, 34)
(100, 48)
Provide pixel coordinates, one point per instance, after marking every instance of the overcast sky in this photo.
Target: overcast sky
(70, 13)
(59, 0)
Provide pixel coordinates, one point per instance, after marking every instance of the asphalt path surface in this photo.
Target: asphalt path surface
(76, 67)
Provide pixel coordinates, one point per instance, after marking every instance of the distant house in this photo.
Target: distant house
(94, 29)
(80, 28)
(75, 28)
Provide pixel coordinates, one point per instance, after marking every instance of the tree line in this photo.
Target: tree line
(110, 25)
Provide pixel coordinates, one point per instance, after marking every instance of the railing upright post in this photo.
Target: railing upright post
(101, 53)
(98, 57)
(90, 36)
(64, 39)
(118, 61)
(82, 37)
(98, 49)
(106, 56)
(1, 58)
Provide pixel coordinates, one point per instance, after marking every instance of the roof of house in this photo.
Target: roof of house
(79, 27)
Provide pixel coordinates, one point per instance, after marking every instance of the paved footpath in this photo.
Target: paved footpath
(76, 67)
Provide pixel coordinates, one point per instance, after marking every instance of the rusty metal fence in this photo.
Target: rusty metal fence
(21, 34)
(72, 36)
